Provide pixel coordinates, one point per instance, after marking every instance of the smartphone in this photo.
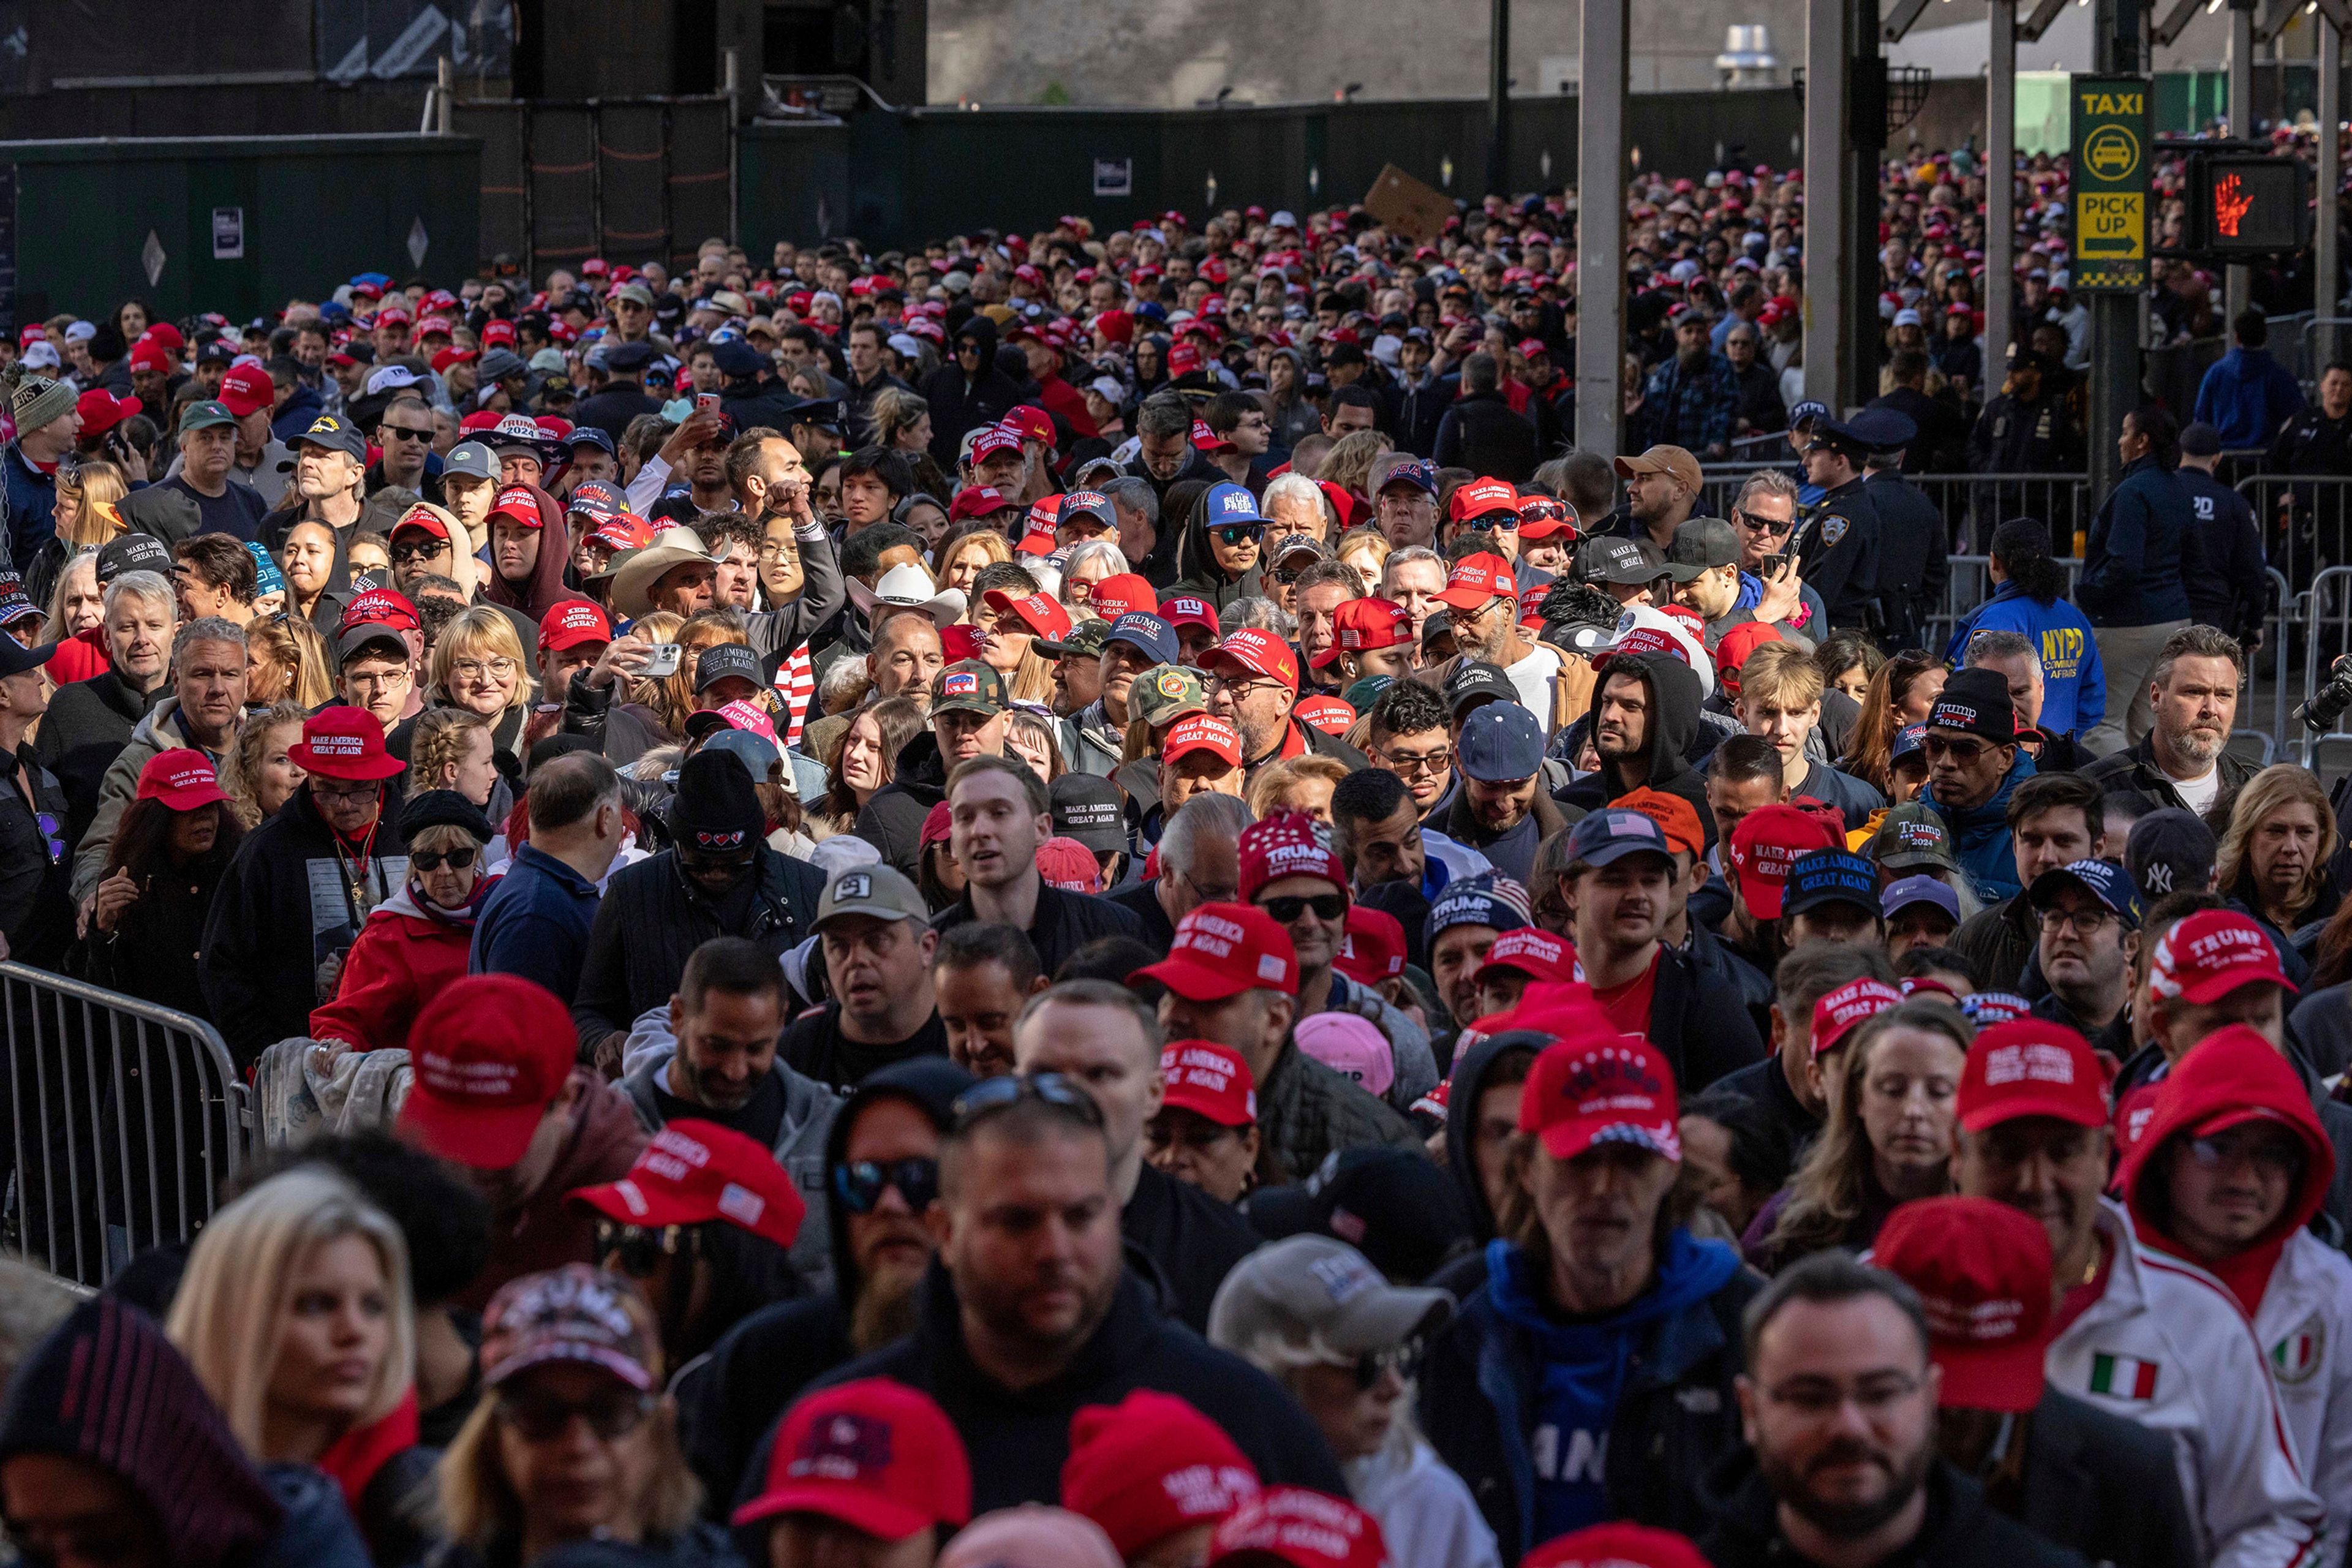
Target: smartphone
(707, 402)
(663, 661)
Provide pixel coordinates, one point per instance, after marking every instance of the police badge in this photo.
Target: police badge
(1833, 529)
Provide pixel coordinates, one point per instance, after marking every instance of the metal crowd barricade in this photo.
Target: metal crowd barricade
(2313, 354)
(2328, 636)
(124, 1118)
(2305, 520)
(2282, 615)
(1973, 505)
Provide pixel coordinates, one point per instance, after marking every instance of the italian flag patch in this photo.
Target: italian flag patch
(2123, 1376)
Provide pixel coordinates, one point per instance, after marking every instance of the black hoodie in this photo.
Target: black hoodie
(1673, 720)
(958, 404)
(893, 820)
(729, 1398)
(1467, 1082)
(1196, 564)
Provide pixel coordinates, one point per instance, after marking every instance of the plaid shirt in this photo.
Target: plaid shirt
(1692, 411)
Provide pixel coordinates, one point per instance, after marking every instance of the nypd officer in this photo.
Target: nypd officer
(1913, 545)
(1839, 552)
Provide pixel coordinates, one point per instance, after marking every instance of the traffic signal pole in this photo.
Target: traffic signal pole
(2238, 281)
(1601, 227)
(2115, 381)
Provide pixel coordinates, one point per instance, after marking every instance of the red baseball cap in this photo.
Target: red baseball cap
(1211, 1079)
(491, 1052)
(1597, 1085)
(1257, 651)
(1371, 945)
(1066, 864)
(447, 357)
(695, 1171)
(1533, 952)
(1043, 616)
(101, 411)
(2032, 1067)
(1360, 624)
(381, 607)
(1737, 644)
(994, 439)
(1476, 579)
(1301, 1528)
(1675, 816)
(1763, 846)
(1224, 950)
(1835, 1014)
(1202, 732)
(424, 515)
(182, 779)
(1536, 522)
(1037, 538)
(2210, 954)
(1184, 610)
(246, 389)
(520, 502)
(1285, 844)
(1480, 496)
(1204, 438)
(1329, 715)
(1030, 422)
(978, 501)
(875, 1454)
(1123, 594)
(1983, 1271)
(148, 355)
(1616, 1545)
(1184, 359)
(571, 624)
(1152, 1464)
(501, 330)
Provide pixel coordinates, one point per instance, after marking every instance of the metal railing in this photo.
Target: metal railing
(2305, 520)
(124, 1118)
(2326, 613)
(1972, 505)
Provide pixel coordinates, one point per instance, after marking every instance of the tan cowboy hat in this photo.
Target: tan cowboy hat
(632, 584)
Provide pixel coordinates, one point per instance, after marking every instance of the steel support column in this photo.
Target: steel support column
(2001, 193)
(1600, 227)
(2327, 263)
(1829, 199)
(2115, 382)
(1498, 101)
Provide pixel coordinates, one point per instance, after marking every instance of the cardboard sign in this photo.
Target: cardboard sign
(1414, 209)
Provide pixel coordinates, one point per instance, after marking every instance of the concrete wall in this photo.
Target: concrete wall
(1171, 53)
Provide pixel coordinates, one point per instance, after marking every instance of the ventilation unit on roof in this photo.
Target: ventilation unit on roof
(1748, 59)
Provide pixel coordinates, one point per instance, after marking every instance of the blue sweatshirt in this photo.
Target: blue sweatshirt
(1584, 1367)
(2074, 683)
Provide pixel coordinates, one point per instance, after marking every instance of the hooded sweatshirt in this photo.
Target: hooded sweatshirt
(1197, 566)
(545, 588)
(729, 1398)
(1980, 837)
(1466, 1084)
(959, 404)
(548, 1231)
(1675, 695)
(1583, 1366)
(2294, 1288)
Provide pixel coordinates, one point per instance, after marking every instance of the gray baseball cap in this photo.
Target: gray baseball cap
(1306, 1287)
(877, 890)
(470, 460)
(1702, 543)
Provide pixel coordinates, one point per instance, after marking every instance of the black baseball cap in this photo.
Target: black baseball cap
(1476, 682)
(1086, 807)
(1830, 876)
(2170, 851)
(1621, 561)
(716, 663)
(1396, 1208)
(133, 553)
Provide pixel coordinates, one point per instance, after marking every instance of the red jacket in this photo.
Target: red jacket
(1060, 397)
(402, 956)
(80, 657)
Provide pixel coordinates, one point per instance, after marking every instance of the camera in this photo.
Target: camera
(2324, 707)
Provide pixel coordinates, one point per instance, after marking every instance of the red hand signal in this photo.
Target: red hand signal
(2229, 207)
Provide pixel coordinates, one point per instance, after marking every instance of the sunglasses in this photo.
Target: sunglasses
(538, 1419)
(859, 1186)
(402, 555)
(1404, 1360)
(639, 1250)
(456, 859)
(1761, 524)
(405, 432)
(1239, 533)
(1964, 752)
(1327, 907)
(990, 1096)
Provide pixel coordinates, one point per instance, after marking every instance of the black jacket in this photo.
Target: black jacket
(1480, 433)
(2135, 769)
(87, 726)
(1914, 556)
(1960, 1530)
(729, 1398)
(283, 911)
(1065, 922)
(893, 820)
(959, 404)
(1839, 554)
(1305, 1110)
(2104, 1487)
(1766, 1087)
(1999, 941)
(1700, 1025)
(1018, 1441)
(1674, 722)
(651, 920)
(1193, 1239)
(36, 912)
(1142, 901)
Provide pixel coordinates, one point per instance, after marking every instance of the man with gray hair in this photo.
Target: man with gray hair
(1199, 863)
(89, 720)
(201, 714)
(1137, 503)
(2184, 759)
(1770, 589)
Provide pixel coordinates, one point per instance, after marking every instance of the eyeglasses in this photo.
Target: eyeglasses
(405, 432)
(772, 553)
(2084, 922)
(1052, 1089)
(475, 669)
(1238, 534)
(1406, 763)
(542, 1418)
(859, 1186)
(456, 859)
(384, 680)
(1241, 686)
(1327, 907)
(2267, 1155)
(327, 790)
(402, 555)
(1964, 752)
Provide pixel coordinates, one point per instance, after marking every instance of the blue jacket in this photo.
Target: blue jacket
(2074, 683)
(2131, 567)
(303, 405)
(1980, 840)
(1676, 1353)
(32, 500)
(2247, 396)
(535, 923)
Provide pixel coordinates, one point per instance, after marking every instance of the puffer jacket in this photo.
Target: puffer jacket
(1306, 1109)
(1980, 838)
(405, 953)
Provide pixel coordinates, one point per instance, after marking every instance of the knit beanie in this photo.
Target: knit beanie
(716, 808)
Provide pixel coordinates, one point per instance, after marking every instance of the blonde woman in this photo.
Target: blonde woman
(570, 1358)
(478, 665)
(1366, 549)
(453, 749)
(259, 774)
(2274, 855)
(973, 544)
(295, 1314)
(1297, 784)
(1349, 464)
(657, 711)
(88, 517)
(286, 661)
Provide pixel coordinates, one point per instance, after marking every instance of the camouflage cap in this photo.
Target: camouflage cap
(1166, 693)
(1086, 640)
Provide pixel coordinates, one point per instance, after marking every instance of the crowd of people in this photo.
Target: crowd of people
(1083, 899)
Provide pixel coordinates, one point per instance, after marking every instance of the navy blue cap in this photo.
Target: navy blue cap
(1612, 835)
(1829, 876)
(1229, 505)
(1808, 409)
(1142, 629)
(589, 435)
(1419, 473)
(1476, 900)
(1882, 429)
(738, 359)
(2105, 880)
(1923, 889)
(1091, 504)
(15, 658)
(1909, 741)
(1500, 743)
(825, 412)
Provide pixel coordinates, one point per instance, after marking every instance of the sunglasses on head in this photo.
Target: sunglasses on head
(1327, 907)
(859, 1185)
(1239, 532)
(457, 860)
(1053, 1089)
